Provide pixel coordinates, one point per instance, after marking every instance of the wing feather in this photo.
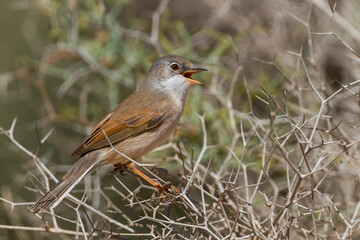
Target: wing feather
(117, 130)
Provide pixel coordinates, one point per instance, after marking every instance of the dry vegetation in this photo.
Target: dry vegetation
(269, 150)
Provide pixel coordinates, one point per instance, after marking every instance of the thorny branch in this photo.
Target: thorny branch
(275, 178)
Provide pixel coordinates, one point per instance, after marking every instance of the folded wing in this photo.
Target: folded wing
(118, 129)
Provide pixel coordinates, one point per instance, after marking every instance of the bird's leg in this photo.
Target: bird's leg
(131, 166)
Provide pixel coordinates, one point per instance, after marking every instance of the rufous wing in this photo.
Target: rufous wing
(119, 129)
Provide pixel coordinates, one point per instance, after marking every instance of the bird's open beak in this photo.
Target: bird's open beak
(190, 72)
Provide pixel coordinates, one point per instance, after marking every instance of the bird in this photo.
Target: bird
(143, 121)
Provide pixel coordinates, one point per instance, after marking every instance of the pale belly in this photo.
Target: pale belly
(137, 146)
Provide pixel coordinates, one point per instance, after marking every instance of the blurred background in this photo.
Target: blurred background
(65, 64)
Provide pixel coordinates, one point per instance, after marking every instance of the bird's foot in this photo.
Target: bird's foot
(168, 188)
(168, 192)
(121, 168)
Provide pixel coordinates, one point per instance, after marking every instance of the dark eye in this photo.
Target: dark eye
(175, 66)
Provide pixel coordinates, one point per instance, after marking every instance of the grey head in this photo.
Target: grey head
(173, 67)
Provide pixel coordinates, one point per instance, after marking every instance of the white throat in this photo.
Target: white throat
(177, 87)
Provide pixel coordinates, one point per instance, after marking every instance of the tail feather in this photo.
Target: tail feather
(58, 192)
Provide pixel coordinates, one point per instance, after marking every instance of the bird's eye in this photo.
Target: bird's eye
(175, 66)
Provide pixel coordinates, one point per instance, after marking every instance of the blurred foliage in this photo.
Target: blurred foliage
(87, 57)
(69, 63)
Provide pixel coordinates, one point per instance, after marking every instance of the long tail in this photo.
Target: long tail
(58, 192)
